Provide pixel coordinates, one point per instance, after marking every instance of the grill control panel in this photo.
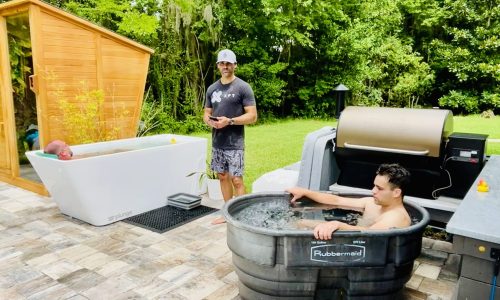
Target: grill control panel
(467, 153)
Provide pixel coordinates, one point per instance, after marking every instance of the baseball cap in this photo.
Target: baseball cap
(226, 55)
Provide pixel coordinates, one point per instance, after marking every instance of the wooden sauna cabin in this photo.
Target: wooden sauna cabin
(60, 74)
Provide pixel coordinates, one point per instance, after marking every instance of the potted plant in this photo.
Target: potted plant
(212, 181)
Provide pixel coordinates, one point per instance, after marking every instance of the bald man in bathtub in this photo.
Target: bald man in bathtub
(384, 210)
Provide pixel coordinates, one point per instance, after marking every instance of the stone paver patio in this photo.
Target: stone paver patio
(47, 255)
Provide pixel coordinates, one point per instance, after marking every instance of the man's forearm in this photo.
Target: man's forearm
(321, 197)
(246, 118)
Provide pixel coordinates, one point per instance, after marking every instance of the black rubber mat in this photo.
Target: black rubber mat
(168, 217)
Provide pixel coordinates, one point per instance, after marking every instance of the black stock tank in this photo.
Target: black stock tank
(276, 260)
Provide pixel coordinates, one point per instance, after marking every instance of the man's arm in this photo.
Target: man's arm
(320, 197)
(388, 220)
(206, 119)
(249, 117)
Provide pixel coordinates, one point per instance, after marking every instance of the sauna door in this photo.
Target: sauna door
(5, 87)
(18, 101)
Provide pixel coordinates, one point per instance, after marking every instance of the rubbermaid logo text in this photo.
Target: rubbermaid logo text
(337, 253)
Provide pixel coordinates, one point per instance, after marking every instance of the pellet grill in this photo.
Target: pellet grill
(443, 163)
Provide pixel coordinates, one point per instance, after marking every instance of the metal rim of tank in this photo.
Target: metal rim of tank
(240, 201)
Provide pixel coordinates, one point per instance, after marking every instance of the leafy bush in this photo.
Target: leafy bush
(83, 119)
(460, 101)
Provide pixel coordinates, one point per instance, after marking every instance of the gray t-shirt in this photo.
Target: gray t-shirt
(229, 100)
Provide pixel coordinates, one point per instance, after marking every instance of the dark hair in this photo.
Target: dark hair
(398, 176)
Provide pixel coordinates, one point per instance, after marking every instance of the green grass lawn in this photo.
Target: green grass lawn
(275, 145)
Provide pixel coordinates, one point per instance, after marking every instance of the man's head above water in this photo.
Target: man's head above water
(397, 176)
(59, 148)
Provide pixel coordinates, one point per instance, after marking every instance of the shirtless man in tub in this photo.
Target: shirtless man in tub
(384, 210)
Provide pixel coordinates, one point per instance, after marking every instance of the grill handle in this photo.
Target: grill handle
(383, 149)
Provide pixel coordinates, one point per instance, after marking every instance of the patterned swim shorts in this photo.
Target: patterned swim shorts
(232, 161)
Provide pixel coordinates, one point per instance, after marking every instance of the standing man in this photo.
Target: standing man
(230, 105)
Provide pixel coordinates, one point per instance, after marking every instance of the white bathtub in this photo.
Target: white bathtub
(110, 187)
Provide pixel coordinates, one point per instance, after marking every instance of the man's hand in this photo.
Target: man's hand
(221, 122)
(325, 230)
(297, 193)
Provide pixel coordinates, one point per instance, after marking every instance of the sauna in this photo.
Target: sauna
(55, 66)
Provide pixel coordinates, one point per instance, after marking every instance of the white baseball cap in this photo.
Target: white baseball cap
(226, 55)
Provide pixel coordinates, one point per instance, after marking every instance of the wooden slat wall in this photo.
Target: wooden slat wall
(77, 59)
(123, 83)
(68, 66)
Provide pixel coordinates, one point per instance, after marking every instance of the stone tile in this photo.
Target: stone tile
(231, 278)
(221, 270)
(414, 282)
(10, 294)
(124, 235)
(416, 263)
(155, 288)
(197, 245)
(167, 246)
(178, 256)
(45, 259)
(13, 206)
(59, 269)
(148, 239)
(24, 274)
(214, 250)
(442, 289)
(102, 243)
(57, 291)
(36, 225)
(29, 254)
(199, 288)
(443, 246)
(201, 262)
(141, 256)
(114, 267)
(66, 243)
(410, 294)
(33, 201)
(433, 257)
(179, 274)
(120, 249)
(35, 286)
(228, 291)
(170, 296)
(8, 253)
(76, 253)
(148, 271)
(128, 295)
(452, 264)
(109, 288)
(428, 271)
(13, 192)
(94, 261)
(427, 243)
(81, 280)
(77, 297)
(76, 233)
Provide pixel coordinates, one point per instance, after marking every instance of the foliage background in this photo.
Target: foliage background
(401, 53)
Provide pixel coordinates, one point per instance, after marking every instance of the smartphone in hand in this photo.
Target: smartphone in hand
(213, 118)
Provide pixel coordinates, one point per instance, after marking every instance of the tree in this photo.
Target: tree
(460, 40)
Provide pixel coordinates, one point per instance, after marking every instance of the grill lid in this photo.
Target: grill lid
(397, 130)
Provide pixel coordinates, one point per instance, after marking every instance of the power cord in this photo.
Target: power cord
(495, 254)
(443, 167)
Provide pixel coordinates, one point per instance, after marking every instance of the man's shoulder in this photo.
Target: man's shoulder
(240, 82)
(214, 85)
